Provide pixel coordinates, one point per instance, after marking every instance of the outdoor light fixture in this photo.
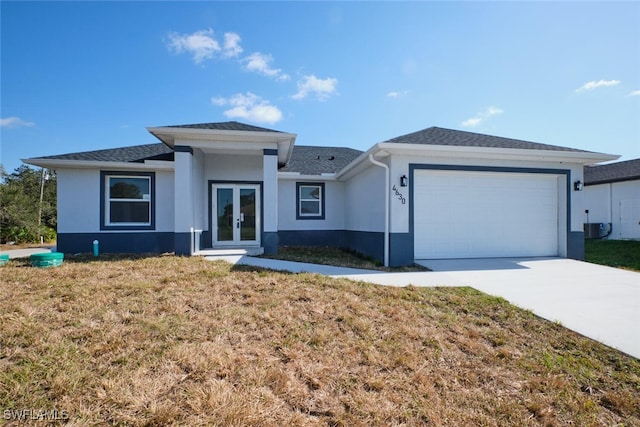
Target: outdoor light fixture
(578, 186)
(403, 181)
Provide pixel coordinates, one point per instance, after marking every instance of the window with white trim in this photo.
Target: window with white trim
(310, 200)
(128, 200)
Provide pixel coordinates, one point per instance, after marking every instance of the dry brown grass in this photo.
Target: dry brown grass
(339, 257)
(184, 341)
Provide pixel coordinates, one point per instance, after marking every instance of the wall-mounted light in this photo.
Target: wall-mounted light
(578, 186)
(403, 181)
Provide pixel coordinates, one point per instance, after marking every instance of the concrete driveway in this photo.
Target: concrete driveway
(599, 302)
(602, 303)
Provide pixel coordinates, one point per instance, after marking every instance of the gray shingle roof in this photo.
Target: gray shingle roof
(441, 136)
(134, 154)
(306, 160)
(237, 126)
(612, 172)
(310, 160)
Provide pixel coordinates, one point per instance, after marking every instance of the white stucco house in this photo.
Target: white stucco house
(432, 194)
(612, 200)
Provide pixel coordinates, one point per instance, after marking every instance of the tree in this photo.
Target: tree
(21, 202)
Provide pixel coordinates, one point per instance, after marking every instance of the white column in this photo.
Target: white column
(270, 200)
(183, 200)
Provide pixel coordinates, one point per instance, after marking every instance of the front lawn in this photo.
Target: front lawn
(614, 253)
(176, 341)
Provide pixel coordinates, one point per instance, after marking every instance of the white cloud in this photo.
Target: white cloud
(493, 111)
(202, 45)
(249, 107)
(482, 116)
(474, 121)
(596, 84)
(232, 46)
(15, 122)
(321, 88)
(261, 63)
(634, 93)
(397, 94)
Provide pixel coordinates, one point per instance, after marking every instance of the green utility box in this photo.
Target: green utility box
(52, 259)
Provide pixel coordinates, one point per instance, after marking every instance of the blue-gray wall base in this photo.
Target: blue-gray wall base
(205, 239)
(335, 238)
(270, 242)
(575, 245)
(125, 242)
(401, 251)
(182, 243)
(367, 243)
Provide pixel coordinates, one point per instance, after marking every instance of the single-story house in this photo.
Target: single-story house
(432, 194)
(612, 200)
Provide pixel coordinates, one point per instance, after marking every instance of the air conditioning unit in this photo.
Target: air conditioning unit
(597, 230)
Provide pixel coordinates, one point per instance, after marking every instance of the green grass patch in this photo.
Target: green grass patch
(614, 253)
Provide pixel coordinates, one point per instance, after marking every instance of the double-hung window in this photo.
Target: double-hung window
(128, 200)
(310, 200)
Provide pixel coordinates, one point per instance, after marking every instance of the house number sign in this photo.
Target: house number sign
(399, 195)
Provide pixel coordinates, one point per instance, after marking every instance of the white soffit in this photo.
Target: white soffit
(212, 139)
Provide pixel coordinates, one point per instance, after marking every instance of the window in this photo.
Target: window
(310, 200)
(127, 200)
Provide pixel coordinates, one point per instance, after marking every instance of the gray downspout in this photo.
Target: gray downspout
(386, 207)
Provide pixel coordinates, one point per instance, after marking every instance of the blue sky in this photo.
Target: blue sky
(80, 76)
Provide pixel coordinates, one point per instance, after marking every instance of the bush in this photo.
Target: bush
(20, 202)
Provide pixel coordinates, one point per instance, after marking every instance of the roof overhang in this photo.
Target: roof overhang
(611, 180)
(227, 141)
(86, 164)
(297, 176)
(385, 149)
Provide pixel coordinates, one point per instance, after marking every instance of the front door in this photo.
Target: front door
(236, 214)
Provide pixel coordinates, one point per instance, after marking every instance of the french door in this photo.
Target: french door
(236, 214)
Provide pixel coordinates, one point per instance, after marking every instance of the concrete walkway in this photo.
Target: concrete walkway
(24, 253)
(602, 303)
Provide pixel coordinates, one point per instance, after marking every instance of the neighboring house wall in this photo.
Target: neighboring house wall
(597, 200)
(617, 203)
(79, 216)
(626, 208)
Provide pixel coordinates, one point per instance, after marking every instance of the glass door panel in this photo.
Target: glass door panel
(247, 214)
(224, 204)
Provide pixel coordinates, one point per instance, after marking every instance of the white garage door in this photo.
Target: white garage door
(460, 214)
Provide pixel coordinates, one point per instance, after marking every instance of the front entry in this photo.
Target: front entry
(236, 215)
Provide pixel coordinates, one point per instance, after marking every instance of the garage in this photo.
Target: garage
(485, 214)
